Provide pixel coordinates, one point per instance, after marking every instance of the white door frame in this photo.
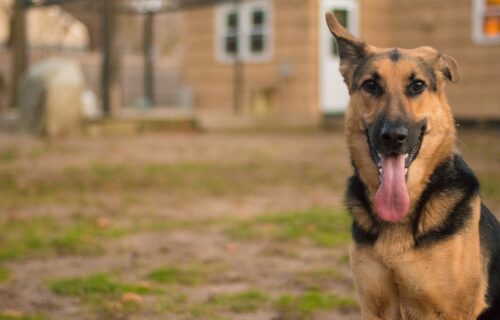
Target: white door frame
(331, 83)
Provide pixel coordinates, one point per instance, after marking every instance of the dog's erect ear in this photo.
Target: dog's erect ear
(449, 67)
(351, 49)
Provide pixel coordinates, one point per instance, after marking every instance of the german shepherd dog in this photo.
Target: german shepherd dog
(425, 247)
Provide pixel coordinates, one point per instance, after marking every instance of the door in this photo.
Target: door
(334, 96)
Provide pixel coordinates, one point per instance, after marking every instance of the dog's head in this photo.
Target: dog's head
(398, 125)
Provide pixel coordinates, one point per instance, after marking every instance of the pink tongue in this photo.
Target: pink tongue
(392, 200)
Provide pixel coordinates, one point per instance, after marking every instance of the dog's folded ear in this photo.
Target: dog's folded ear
(449, 67)
(351, 49)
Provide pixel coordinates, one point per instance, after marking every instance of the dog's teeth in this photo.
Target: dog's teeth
(406, 156)
(406, 170)
(380, 170)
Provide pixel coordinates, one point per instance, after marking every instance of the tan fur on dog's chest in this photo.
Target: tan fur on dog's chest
(444, 281)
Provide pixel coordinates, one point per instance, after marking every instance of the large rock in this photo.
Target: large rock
(51, 98)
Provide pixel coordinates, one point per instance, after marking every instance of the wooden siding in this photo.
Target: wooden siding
(295, 43)
(447, 26)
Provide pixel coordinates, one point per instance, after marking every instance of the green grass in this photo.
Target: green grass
(304, 306)
(174, 275)
(9, 155)
(241, 302)
(490, 187)
(97, 287)
(215, 307)
(319, 278)
(71, 183)
(8, 182)
(172, 302)
(46, 236)
(223, 303)
(4, 275)
(34, 317)
(322, 226)
(345, 258)
(104, 294)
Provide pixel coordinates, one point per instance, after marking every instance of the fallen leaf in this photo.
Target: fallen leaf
(102, 222)
(132, 297)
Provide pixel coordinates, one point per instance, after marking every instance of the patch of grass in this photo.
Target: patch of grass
(178, 177)
(317, 278)
(4, 274)
(241, 302)
(305, 305)
(174, 275)
(213, 178)
(322, 226)
(97, 287)
(345, 258)
(45, 236)
(172, 302)
(9, 155)
(33, 317)
(204, 177)
(8, 182)
(490, 188)
(243, 230)
(205, 311)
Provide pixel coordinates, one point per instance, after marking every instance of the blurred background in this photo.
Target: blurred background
(184, 159)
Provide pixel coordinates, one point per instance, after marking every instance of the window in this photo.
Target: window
(244, 30)
(486, 21)
(231, 37)
(258, 34)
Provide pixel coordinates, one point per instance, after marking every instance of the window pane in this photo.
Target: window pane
(232, 21)
(493, 2)
(231, 45)
(491, 19)
(258, 18)
(491, 26)
(343, 18)
(257, 43)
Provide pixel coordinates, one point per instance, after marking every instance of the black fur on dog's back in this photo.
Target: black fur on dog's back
(489, 229)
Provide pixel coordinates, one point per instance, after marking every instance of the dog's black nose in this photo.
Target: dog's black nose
(393, 134)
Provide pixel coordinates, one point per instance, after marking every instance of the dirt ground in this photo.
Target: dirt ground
(185, 225)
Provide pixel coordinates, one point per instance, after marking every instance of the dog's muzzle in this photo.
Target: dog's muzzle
(393, 147)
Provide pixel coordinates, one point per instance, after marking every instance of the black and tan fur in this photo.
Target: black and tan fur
(442, 260)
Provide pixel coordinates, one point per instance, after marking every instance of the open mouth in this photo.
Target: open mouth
(392, 200)
(408, 157)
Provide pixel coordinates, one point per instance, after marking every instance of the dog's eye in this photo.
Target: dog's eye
(371, 87)
(416, 87)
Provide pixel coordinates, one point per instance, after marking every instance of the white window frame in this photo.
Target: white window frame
(478, 13)
(244, 10)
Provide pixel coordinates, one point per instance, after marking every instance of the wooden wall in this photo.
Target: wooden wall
(295, 34)
(447, 26)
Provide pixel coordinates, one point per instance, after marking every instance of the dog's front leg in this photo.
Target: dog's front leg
(375, 286)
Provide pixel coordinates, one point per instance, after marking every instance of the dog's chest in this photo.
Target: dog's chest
(395, 245)
(425, 274)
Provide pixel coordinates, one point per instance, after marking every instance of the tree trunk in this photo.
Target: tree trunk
(19, 50)
(111, 93)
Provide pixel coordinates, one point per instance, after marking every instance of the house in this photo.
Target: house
(276, 59)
